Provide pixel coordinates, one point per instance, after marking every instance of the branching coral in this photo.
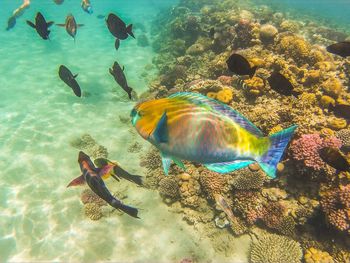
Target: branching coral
(275, 249)
(212, 183)
(336, 205)
(151, 160)
(245, 179)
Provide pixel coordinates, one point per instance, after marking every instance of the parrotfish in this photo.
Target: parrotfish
(193, 127)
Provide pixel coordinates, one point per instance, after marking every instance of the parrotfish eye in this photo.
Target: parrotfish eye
(134, 116)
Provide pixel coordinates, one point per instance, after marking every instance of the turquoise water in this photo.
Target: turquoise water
(42, 220)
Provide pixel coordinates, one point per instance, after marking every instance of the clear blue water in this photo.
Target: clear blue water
(42, 220)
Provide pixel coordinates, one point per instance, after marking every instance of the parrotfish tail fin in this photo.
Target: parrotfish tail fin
(125, 175)
(131, 211)
(279, 142)
(252, 72)
(77, 181)
(129, 30)
(30, 24)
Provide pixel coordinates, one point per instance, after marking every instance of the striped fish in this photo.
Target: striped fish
(193, 127)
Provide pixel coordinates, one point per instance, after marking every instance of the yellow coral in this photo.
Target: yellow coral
(255, 83)
(276, 129)
(309, 98)
(225, 95)
(325, 101)
(257, 62)
(212, 95)
(332, 87)
(312, 77)
(326, 132)
(314, 255)
(324, 66)
(336, 123)
(295, 47)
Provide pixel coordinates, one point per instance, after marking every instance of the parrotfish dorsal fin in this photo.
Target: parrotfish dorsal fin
(160, 134)
(215, 105)
(228, 167)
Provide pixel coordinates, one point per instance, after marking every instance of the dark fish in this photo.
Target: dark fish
(118, 28)
(117, 171)
(281, 84)
(100, 16)
(11, 22)
(117, 43)
(340, 110)
(118, 73)
(41, 26)
(68, 78)
(333, 157)
(58, 2)
(95, 182)
(240, 66)
(341, 48)
(71, 25)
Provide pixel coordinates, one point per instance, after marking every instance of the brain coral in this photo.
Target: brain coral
(93, 211)
(212, 183)
(344, 136)
(271, 248)
(168, 187)
(306, 149)
(245, 179)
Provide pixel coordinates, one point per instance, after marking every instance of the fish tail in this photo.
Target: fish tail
(120, 172)
(131, 211)
(129, 30)
(268, 162)
(252, 71)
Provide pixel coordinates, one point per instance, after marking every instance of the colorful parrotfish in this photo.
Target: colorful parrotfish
(193, 127)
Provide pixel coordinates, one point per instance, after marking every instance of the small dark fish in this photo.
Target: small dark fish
(117, 43)
(71, 25)
(118, 73)
(333, 157)
(118, 28)
(281, 84)
(68, 78)
(211, 32)
(240, 66)
(41, 26)
(95, 182)
(11, 22)
(58, 2)
(340, 110)
(341, 48)
(100, 16)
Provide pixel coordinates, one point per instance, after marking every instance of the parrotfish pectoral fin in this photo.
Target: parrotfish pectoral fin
(166, 161)
(228, 166)
(279, 141)
(160, 134)
(179, 163)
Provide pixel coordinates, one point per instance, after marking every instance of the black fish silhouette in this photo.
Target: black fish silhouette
(41, 26)
(118, 73)
(333, 157)
(11, 22)
(118, 28)
(240, 66)
(281, 84)
(341, 48)
(95, 182)
(71, 25)
(340, 110)
(66, 75)
(117, 43)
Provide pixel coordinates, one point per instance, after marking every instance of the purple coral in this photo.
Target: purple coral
(336, 205)
(306, 149)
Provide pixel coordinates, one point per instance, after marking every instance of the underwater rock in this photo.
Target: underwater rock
(195, 49)
(212, 183)
(274, 248)
(245, 179)
(93, 211)
(314, 255)
(335, 203)
(169, 187)
(268, 32)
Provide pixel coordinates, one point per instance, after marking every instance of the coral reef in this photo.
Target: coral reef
(88, 144)
(275, 249)
(169, 187)
(93, 211)
(314, 255)
(212, 183)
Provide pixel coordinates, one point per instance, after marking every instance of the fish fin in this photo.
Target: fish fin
(200, 99)
(160, 134)
(50, 23)
(30, 24)
(166, 161)
(61, 25)
(74, 76)
(129, 94)
(228, 166)
(252, 72)
(129, 30)
(125, 175)
(178, 163)
(111, 71)
(77, 181)
(80, 25)
(131, 211)
(268, 162)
